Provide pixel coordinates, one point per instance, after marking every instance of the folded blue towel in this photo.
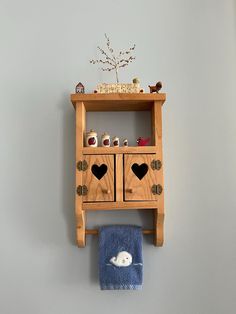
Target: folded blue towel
(120, 257)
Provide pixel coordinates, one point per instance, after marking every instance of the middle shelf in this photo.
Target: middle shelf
(119, 150)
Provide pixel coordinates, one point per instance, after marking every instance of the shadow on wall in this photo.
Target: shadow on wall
(68, 166)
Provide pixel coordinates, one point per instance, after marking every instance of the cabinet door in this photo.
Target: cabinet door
(99, 178)
(139, 177)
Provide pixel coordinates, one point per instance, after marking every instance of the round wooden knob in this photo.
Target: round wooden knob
(130, 190)
(106, 191)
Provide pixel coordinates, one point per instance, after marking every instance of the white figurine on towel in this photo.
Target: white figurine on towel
(123, 259)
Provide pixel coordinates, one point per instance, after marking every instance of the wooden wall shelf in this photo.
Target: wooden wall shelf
(123, 186)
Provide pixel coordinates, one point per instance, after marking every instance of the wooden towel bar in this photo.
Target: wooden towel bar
(95, 231)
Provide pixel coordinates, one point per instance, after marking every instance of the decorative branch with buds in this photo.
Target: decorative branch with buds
(114, 62)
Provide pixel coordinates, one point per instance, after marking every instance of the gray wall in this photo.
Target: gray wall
(45, 48)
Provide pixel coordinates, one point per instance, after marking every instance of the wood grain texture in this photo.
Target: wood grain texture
(141, 189)
(99, 190)
(80, 214)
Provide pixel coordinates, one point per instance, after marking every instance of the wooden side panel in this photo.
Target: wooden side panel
(99, 178)
(138, 185)
(157, 137)
(158, 227)
(119, 177)
(80, 214)
(157, 124)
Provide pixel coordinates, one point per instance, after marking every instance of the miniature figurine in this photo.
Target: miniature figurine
(106, 141)
(155, 88)
(143, 141)
(125, 142)
(119, 88)
(91, 139)
(79, 88)
(116, 141)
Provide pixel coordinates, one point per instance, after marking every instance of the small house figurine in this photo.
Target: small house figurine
(79, 88)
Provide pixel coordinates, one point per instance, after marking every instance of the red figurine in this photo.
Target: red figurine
(143, 141)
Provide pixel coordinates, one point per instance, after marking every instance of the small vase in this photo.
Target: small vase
(125, 142)
(91, 139)
(116, 141)
(106, 140)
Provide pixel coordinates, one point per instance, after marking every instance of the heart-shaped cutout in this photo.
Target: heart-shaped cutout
(99, 171)
(140, 170)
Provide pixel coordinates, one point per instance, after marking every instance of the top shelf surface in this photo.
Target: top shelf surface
(118, 101)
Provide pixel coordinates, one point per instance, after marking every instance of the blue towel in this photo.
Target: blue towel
(120, 257)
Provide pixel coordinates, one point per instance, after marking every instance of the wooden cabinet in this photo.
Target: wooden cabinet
(137, 178)
(119, 178)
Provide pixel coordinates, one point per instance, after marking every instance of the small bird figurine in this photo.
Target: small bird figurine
(143, 141)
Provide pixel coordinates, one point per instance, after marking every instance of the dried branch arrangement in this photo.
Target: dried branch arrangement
(112, 61)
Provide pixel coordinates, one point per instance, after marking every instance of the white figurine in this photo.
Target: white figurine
(116, 141)
(106, 140)
(91, 139)
(125, 142)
